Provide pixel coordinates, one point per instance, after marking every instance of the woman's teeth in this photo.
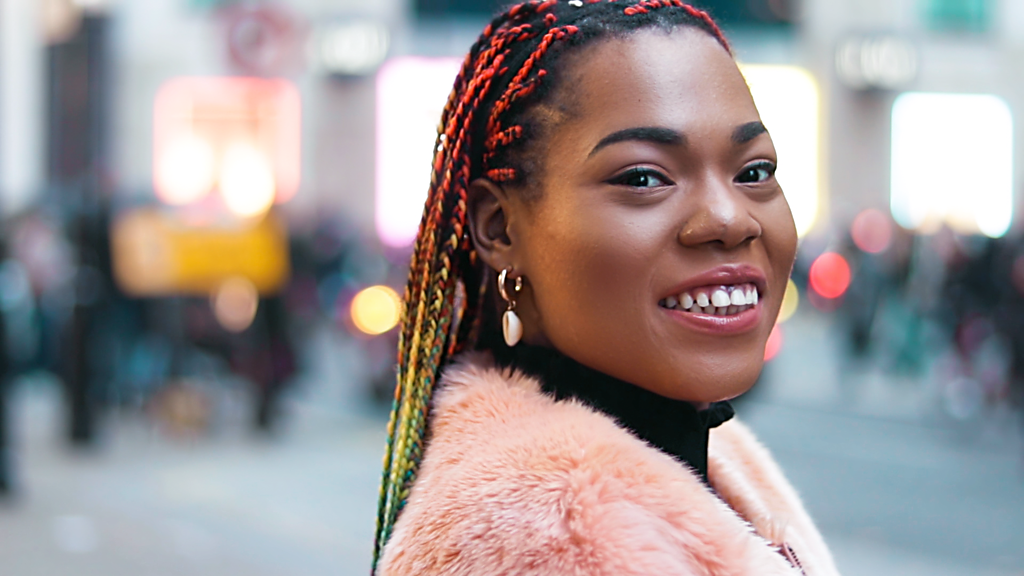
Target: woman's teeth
(717, 300)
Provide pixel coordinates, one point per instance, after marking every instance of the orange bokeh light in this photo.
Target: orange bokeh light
(830, 275)
(200, 125)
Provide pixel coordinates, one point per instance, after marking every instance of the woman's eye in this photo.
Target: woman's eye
(755, 173)
(641, 178)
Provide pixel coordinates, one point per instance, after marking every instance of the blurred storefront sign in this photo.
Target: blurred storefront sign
(727, 12)
(885, 62)
(456, 8)
(349, 48)
(239, 137)
(156, 254)
(972, 191)
(750, 12)
(263, 39)
(790, 105)
(959, 15)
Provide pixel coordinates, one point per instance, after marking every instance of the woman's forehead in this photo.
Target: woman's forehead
(681, 79)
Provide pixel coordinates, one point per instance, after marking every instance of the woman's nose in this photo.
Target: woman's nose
(720, 217)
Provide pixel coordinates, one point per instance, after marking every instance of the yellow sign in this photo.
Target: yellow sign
(157, 254)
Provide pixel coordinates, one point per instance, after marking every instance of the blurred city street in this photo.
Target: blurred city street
(896, 489)
(208, 210)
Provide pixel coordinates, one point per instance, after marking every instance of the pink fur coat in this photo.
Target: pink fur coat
(515, 483)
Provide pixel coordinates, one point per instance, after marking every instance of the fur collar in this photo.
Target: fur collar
(513, 482)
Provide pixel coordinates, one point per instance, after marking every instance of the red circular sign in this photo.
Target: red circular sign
(261, 40)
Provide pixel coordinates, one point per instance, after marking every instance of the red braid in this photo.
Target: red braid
(519, 87)
(644, 6)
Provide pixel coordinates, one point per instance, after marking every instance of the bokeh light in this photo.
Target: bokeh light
(871, 231)
(185, 170)
(830, 275)
(246, 181)
(235, 303)
(376, 310)
(790, 302)
(774, 344)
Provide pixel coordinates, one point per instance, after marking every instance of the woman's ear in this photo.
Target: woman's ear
(488, 208)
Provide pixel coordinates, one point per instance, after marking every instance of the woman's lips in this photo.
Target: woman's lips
(738, 322)
(728, 275)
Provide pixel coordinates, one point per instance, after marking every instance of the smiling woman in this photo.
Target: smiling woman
(605, 162)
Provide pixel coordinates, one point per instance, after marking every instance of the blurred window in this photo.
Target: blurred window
(952, 163)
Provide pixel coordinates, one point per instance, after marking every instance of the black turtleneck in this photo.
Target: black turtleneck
(675, 427)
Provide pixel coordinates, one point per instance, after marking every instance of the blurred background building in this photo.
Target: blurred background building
(206, 208)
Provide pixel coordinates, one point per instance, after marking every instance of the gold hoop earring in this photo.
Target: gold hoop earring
(511, 325)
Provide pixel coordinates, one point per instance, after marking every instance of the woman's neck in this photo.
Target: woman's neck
(676, 427)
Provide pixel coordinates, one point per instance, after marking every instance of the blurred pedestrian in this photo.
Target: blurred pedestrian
(602, 257)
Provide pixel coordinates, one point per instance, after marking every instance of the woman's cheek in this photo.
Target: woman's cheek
(784, 227)
(587, 272)
(781, 246)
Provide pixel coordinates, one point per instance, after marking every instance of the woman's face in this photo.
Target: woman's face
(658, 188)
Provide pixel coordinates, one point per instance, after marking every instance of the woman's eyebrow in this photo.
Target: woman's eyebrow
(746, 132)
(653, 134)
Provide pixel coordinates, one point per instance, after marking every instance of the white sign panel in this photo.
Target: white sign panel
(411, 94)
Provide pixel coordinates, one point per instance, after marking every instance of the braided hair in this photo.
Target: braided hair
(484, 131)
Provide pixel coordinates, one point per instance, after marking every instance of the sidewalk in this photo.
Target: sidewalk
(143, 506)
(895, 493)
(897, 485)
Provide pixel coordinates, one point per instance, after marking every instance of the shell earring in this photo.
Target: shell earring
(511, 325)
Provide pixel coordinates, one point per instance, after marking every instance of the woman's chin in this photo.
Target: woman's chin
(724, 379)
